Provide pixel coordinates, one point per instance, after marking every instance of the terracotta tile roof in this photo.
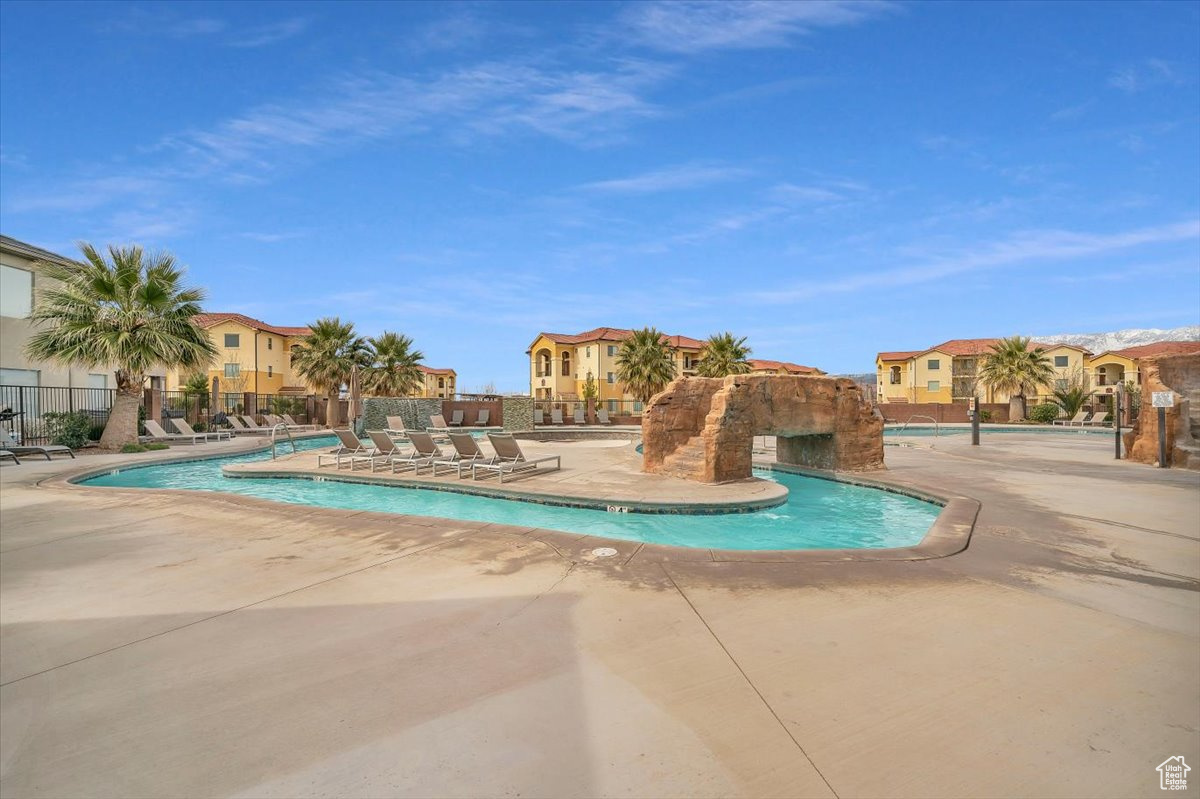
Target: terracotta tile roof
(983, 346)
(787, 366)
(615, 334)
(898, 356)
(210, 319)
(429, 370)
(1158, 348)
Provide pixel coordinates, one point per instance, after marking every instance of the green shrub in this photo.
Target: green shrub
(96, 431)
(129, 449)
(1045, 413)
(69, 429)
(200, 427)
(985, 416)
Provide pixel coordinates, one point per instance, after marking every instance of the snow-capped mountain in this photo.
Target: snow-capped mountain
(1101, 342)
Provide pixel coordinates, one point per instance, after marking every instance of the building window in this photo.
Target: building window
(566, 365)
(637, 407)
(233, 370)
(895, 375)
(933, 385)
(269, 370)
(1061, 360)
(16, 292)
(270, 343)
(441, 382)
(611, 350)
(233, 340)
(587, 352)
(19, 377)
(934, 365)
(612, 404)
(612, 378)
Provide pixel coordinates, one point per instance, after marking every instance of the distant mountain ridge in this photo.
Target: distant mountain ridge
(1120, 339)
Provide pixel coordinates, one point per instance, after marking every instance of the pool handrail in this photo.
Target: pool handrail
(936, 430)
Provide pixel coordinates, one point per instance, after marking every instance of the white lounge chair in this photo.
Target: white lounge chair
(456, 418)
(602, 416)
(437, 424)
(388, 451)
(10, 444)
(466, 454)
(539, 416)
(294, 425)
(253, 425)
(556, 416)
(217, 435)
(580, 418)
(511, 460)
(350, 449)
(482, 419)
(239, 426)
(1074, 420)
(1097, 420)
(4, 453)
(156, 432)
(424, 453)
(396, 426)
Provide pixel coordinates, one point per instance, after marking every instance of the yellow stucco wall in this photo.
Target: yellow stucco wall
(264, 360)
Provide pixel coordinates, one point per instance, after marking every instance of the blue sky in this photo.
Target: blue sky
(828, 179)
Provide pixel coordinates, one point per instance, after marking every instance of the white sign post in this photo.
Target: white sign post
(1163, 399)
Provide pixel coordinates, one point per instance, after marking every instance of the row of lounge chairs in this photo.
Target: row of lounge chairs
(241, 425)
(466, 458)
(556, 416)
(1081, 419)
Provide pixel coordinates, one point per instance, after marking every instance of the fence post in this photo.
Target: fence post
(21, 402)
(250, 401)
(153, 401)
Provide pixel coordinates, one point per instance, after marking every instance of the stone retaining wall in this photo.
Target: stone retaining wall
(414, 412)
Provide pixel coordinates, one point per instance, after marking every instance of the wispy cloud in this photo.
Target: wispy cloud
(688, 27)
(1135, 78)
(675, 178)
(1022, 248)
(489, 99)
(85, 194)
(272, 238)
(1072, 111)
(262, 35)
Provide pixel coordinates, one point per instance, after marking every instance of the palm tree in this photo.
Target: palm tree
(645, 363)
(1013, 368)
(396, 370)
(326, 357)
(724, 354)
(133, 313)
(1074, 395)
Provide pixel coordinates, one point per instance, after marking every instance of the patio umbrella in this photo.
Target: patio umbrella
(355, 405)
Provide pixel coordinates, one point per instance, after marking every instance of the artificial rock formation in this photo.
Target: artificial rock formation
(1179, 374)
(702, 428)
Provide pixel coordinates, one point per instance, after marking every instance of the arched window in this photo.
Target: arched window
(895, 375)
(566, 372)
(543, 363)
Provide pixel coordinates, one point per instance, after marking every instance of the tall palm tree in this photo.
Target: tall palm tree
(645, 363)
(395, 371)
(724, 354)
(326, 357)
(133, 313)
(1013, 368)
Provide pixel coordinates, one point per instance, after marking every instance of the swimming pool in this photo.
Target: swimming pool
(927, 430)
(819, 514)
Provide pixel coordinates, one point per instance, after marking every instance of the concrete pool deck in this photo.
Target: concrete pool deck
(176, 644)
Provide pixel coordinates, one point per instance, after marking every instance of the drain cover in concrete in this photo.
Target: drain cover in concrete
(604, 552)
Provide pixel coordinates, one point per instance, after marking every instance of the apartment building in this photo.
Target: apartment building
(559, 364)
(22, 280)
(252, 355)
(438, 382)
(948, 372)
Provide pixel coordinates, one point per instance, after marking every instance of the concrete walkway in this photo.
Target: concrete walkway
(167, 645)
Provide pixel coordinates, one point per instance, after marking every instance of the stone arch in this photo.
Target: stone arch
(703, 428)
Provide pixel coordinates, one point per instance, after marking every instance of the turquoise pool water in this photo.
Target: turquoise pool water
(819, 514)
(984, 430)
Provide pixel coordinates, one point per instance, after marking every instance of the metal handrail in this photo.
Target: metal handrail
(291, 440)
(936, 429)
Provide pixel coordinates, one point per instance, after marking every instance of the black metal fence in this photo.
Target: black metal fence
(24, 409)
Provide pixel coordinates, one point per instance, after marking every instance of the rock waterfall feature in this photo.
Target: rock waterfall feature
(702, 428)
